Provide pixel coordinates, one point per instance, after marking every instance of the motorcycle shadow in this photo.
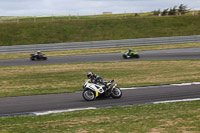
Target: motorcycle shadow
(101, 97)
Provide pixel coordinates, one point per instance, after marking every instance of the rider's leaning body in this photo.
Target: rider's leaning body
(38, 53)
(129, 52)
(96, 79)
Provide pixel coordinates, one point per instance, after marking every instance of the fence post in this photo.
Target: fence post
(17, 19)
(34, 18)
(125, 15)
(52, 19)
(78, 16)
(193, 13)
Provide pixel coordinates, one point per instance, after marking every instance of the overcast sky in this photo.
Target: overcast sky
(87, 7)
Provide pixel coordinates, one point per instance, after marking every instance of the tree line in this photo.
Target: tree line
(176, 10)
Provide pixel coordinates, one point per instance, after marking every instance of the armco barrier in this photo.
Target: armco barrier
(100, 44)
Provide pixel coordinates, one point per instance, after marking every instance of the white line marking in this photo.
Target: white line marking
(129, 88)
(182, 100)
(196, 83)
(145, 87)
(61, 111)
(182, 84)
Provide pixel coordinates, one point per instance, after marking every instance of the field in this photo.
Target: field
(153, 118)
(67, 78)
(97, 29)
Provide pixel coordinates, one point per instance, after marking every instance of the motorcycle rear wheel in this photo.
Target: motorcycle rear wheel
(88, 95)
(124, 56)
(32, 58)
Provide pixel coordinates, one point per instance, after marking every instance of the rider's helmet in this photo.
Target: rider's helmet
(90, 75)
(130, 49)
(38, 52)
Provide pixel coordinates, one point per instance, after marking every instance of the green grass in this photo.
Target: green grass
(168, 117)
(61, 78)
(6, 19)
(95, 30)
(4, 56)
(49, 18)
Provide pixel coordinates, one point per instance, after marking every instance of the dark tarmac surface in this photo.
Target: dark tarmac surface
(173, 54)
(27, 104)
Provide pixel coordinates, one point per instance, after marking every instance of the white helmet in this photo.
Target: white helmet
(90, 74)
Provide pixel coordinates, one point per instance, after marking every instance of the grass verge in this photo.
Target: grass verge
(60, 78)
(168, 117)
(94, 30)
(4, 56)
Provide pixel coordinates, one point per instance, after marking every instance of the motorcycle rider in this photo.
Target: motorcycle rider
(96, 79)
(129, 52)
(38, 53)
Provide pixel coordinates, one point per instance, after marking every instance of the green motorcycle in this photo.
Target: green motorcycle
(132, 54)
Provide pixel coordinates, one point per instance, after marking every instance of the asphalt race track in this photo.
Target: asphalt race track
(26, 105)
(189, 53)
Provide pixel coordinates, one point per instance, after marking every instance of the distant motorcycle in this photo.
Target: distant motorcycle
(37, 57)
(91, 91)
(133, 54)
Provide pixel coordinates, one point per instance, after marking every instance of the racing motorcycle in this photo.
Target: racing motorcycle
(37, 57)
(133, 54)
(91, 91)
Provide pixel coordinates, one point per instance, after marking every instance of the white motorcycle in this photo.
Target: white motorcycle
(91, 91)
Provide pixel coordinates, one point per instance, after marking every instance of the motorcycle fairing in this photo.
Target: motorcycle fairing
(95, 87)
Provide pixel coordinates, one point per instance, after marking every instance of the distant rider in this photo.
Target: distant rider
(38, 53)
(129, 52)
(96, 79)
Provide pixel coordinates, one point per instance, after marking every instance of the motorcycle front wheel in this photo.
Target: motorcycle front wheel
(116, 93)
(88, 95)
(44, 58)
